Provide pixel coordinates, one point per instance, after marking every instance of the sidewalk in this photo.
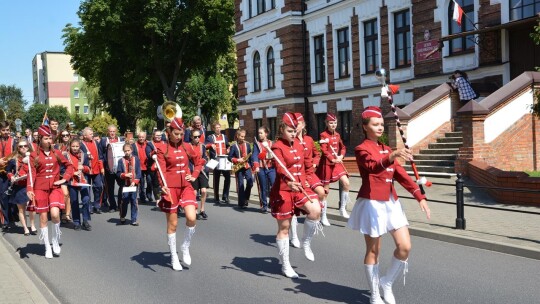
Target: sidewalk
(511, 231)
(496, 230)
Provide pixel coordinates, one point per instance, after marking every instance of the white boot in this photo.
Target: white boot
(286, 268)
(311, 228)
(188, 234)
(343, 207)
(392, 274)
(174, 256)
(372, 274)
(44, 238)
(295, 242)
(56, 238)
(324, 219)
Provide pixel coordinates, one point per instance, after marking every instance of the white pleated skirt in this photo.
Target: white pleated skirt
(376, 218)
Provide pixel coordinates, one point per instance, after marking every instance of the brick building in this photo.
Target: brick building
(319, 56)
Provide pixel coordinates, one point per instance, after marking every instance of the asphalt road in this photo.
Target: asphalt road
(235, 260)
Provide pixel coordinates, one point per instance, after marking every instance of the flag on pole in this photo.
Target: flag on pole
(458, 13)
(45, 119)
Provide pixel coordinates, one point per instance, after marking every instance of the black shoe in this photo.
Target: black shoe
(86, 226)
(112, 210)
(76, 227)
(33, 232)
(97, 211)
(226, 200)
(203, 215)
(199, 217)
(264, 210)
(122, 221)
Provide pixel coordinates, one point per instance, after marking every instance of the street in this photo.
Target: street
(235, 260)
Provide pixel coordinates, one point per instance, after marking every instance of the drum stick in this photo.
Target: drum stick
(326, 141)
(265, 145)
(154, 157)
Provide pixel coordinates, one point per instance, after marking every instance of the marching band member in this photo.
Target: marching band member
(176, 178)
(7, 147)
(129, 172)
(17, 173)
(90, 147)
(34, 143)
(44, 187)
(263, 166)
(239, 155)
(331, 167)
(201, 183)
(311, 158)
(288, 193)
(62, 144)
(54, 124)
(196, 125)
(81, 167)
(156, 143)
(110, 176)
(377, 209)
(145, 184)
(219, 146)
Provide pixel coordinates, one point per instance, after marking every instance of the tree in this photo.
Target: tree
(100, 123)
(34, 116)
(12, 102)
(60, 113)
(140, 51)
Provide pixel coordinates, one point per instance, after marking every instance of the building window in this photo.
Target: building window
(321, 123)
(77, 109)
(256, 72)
(272, 4)
(272, 124)
(402, 37)
(76, 93)
(371, 42)
(520, 9)
(85, 109)
(258, 124)
(250, 8)
(343, 52)
(261, 6)
(75, 77)
(318, 45)
(270, 68)
(466, 43)
(345, 126)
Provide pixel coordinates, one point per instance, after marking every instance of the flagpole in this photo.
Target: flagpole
(465, 14)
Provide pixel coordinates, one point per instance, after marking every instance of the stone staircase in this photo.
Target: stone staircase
(438, 159)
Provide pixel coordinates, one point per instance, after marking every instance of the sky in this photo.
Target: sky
(28, 27)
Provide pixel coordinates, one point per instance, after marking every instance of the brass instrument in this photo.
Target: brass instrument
(240, 165)
(170, 110)
(7, 159)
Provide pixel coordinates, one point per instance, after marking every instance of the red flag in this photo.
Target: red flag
(458, 13)
(393, 88)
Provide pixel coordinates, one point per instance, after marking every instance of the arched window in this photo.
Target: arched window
(270, 68)
(256, 72)
(461, 44)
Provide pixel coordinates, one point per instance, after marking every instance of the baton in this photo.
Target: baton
(154, 157)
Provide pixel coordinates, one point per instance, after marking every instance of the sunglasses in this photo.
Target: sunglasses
(23, 146)
(196, 136)
(65, 135)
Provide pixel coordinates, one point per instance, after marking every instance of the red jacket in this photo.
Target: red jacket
(46, 169)
(173, 160)
(291, 156)
(334, 140)
(312, 155)
(378, 173)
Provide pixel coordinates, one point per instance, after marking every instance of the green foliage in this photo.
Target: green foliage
(533, 173)
(384, 138)
(147, 125)
(12, 102)
(137, 52)
(59, 113)
(100, 123)
(79, 122)
(34, 116)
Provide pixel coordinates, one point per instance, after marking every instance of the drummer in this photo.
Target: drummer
(218, 145)
(110, 175)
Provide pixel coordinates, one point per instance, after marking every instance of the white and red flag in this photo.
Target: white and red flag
(458, 13)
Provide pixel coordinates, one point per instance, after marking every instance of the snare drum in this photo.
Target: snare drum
(224, 163)
(114, 153)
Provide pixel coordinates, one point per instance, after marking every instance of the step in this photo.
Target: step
(450, 140)
(439, 169)
(434, 162)
(449, 157)
(445, 145)
(454, 134)
(439, 151)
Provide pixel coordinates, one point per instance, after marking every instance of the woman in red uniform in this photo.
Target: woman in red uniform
(331, 168)
(62, 144)
(173, 160)
(44, 187)
(289, 193)
(377, 209)
(311, 158)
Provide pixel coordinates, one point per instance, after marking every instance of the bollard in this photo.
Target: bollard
(460, 219)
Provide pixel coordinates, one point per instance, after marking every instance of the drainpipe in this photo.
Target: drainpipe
(307, 117)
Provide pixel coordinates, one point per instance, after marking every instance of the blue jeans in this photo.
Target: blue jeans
(266, 179)
(85, 199)
(129, 198)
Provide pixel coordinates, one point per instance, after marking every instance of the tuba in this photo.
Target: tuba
(170, 110)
